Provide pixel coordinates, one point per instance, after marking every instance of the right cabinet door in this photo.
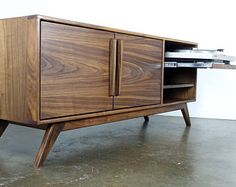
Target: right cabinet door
(139, 71)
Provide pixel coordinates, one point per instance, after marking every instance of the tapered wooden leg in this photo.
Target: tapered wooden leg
(146, 118)
(185, 113)
(3, 126)
(48, 141)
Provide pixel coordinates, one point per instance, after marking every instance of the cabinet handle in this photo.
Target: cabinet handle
(119, 66)
(112, 73)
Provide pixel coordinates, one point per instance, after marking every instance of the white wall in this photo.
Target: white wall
(208, 22)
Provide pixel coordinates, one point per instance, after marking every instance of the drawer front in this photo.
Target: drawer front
(141, 71)
(74, 70)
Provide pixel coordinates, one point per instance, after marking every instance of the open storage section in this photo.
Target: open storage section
(179, 83)
(175, 45)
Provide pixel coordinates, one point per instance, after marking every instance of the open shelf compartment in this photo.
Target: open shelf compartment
(179, 84)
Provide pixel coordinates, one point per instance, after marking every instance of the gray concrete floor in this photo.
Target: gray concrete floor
(125, 153)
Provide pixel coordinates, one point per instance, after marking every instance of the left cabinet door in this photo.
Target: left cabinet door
(74, 70)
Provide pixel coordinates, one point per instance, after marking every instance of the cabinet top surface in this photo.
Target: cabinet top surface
(75, 23)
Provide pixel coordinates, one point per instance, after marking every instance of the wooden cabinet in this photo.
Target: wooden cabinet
(74, 70)
(59, 75)
(140, 73)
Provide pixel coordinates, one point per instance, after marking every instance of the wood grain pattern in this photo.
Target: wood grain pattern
(141, 72)
(111, 112)
(19, 72)
(74, 70)
(112, 72)
(3, 126)
(98, 120)
(63, 75)
(48, 141)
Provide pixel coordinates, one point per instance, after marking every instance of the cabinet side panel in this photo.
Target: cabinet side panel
(19, 70)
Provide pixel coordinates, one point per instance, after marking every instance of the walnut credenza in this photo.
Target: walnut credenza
(58, 75)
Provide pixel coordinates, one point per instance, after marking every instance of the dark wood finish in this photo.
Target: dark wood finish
(178, 86)
(178, 94)
(69, 125)
(119, 66)
(179, 83)
(183, 84)
(49, 139)
(171, 45)
(112, 112)
(20, 92)
(54, 130)
(146, 118)
(186, 116)
(180, 76)
(177, 100)
(19, 72)
(141, 72)
(59, 75)
(113, 44)
(74, 70)
(3, 126)
(162, 71)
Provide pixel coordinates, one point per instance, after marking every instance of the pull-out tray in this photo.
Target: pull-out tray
(170, 64)
(198, 58)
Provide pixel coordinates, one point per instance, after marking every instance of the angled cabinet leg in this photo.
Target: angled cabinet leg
(3, 126)
(146, 118)
(186, 116)
(48, 141)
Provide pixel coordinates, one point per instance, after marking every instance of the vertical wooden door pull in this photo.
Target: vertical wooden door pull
(112, 74)
(120, 44)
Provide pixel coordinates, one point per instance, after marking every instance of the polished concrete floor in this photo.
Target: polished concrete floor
(126, 153)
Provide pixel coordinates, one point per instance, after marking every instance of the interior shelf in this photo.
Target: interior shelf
(179, 84)
(174, 100)
(170, 86)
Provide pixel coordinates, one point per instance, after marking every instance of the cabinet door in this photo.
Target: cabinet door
(140, 71)
(74, 70)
